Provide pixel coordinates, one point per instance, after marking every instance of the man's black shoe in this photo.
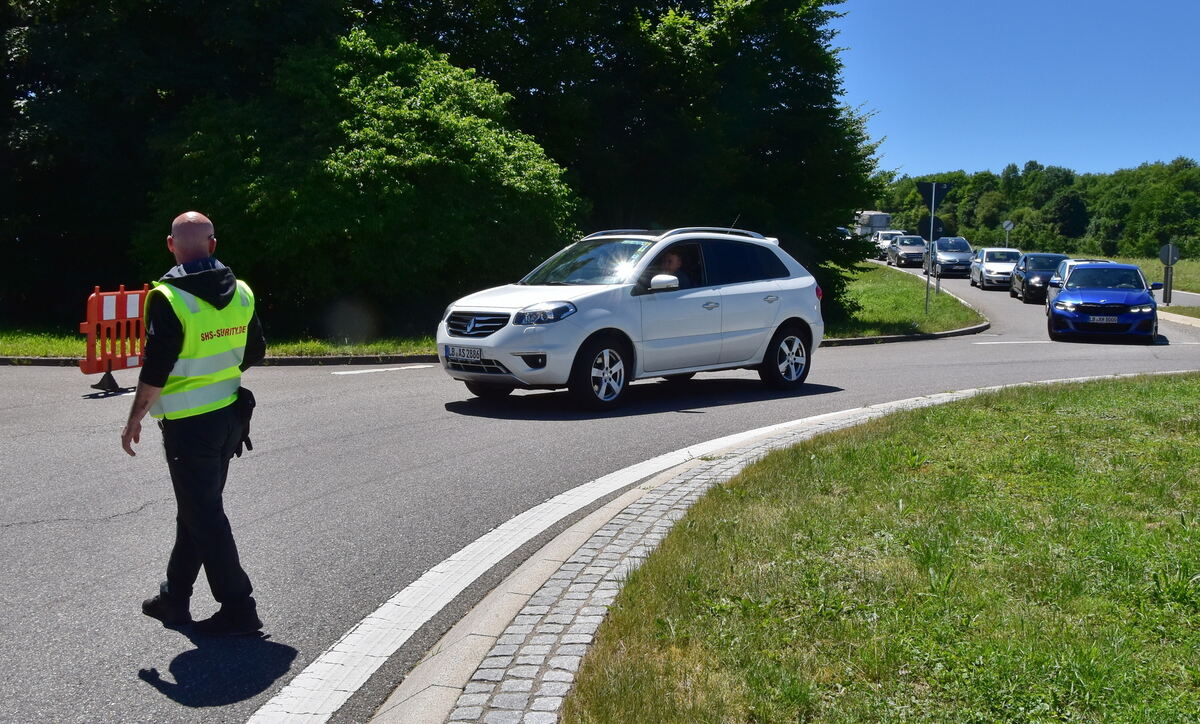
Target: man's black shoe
(230, 622)
(171, 611)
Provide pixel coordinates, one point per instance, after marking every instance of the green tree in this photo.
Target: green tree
(374, 172)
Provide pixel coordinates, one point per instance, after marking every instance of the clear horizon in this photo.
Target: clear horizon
(1094, 88)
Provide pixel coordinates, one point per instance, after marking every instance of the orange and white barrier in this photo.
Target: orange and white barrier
(116, 334)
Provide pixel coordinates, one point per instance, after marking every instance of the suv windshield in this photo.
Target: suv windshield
(910, 241)
(1085, 278)
(1001, 256)
(599, 261)
(953, 245)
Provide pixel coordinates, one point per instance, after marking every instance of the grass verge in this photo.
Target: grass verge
(1187, 272)
(1189, 311)
(892, 302)
(22, 343)
(898, 572)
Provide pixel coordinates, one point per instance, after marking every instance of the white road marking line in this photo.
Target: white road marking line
(1026, 341)
(317, 692)
(382, 369)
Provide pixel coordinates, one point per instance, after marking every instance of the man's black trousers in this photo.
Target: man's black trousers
(198, 451)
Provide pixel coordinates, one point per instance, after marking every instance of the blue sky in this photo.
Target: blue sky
(1093, 85)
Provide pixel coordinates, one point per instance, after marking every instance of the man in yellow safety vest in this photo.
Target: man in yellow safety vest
(201, 333)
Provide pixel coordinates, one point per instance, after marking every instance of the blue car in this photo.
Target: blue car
(1104, 300)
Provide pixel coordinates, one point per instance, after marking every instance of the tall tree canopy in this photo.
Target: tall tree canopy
(339, 122)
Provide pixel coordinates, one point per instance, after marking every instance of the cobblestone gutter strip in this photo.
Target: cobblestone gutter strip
(527, 673)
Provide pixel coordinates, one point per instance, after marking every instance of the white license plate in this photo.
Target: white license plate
(463, 354)
(1102, 320)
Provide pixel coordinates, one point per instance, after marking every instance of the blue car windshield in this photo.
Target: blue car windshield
(1091, 278)
(600, 261)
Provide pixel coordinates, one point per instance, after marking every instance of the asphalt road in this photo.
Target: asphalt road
(358, 484)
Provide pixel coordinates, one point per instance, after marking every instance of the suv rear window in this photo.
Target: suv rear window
(732, 262)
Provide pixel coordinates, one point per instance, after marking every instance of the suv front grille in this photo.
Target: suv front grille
(474, 324)
(1110, 309)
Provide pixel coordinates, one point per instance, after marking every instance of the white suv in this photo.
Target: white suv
(630, 304)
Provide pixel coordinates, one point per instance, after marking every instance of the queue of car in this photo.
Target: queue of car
(1083, 297)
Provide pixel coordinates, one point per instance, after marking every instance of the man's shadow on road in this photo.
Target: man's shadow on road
(221, 671)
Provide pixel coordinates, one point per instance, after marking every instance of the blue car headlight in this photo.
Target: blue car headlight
(544, 313)
(1142, 308)
(1065, 306)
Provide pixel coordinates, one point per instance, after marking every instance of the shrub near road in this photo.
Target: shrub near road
(886, 574)
(892, 302)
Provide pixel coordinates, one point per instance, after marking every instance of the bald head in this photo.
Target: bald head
(192, 237)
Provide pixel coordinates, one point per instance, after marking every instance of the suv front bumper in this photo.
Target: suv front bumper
(535, 355)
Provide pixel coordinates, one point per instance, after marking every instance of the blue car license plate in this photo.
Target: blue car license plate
(1102, 320)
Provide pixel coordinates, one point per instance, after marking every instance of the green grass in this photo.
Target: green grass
(41, 343)
(20, 343)
(1187, 271)
(323, 348)
(907, 570)
(892, 302)
(1189, 311)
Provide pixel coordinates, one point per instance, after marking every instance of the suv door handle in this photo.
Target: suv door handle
(710, 305)
(770, 299)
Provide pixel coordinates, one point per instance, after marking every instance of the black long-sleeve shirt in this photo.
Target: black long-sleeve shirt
(211, 281)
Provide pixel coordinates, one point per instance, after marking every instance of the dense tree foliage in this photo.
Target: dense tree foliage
(341, 154)
(374, 173)
(1131, 212)
(679, 113)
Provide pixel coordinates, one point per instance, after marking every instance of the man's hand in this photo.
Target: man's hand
(131, 434)
(142, 400)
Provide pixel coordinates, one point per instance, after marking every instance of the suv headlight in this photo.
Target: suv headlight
(1143, 308)
(1065, 306)
(544, 313)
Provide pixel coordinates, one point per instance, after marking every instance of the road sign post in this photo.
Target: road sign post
(930, 191)
(1008, 226)
(1168, 255)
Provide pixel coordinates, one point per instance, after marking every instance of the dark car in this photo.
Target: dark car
(1030, 276)
(1104, 300)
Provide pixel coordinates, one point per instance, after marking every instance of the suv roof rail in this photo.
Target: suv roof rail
(606, 232)
(716, 229)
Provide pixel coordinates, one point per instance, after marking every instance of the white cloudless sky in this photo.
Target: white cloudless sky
(1092, 85)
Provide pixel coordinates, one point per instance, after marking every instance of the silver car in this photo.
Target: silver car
(948, 255)
(906, 251)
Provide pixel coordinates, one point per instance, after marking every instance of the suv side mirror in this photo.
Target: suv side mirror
(661, 282)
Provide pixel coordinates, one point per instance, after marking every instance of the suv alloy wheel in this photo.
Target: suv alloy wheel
(785, 365)
(601, 373)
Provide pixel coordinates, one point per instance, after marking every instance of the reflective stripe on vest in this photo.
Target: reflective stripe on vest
(207, 374)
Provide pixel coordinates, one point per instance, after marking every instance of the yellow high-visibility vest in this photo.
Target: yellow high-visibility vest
(208, 372)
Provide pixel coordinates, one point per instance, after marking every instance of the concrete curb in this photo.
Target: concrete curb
(514, 656)
(883, 339)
